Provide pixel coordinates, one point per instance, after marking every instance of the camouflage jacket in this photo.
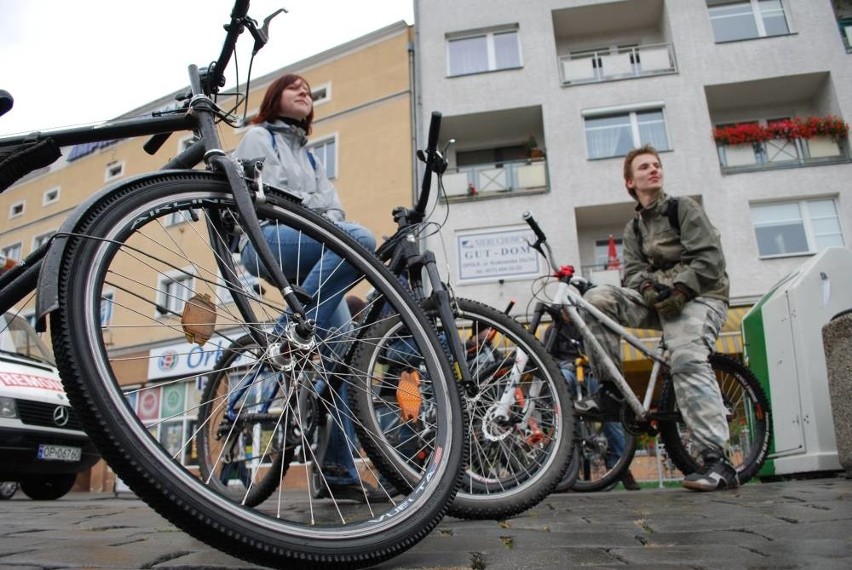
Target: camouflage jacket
(693, 256)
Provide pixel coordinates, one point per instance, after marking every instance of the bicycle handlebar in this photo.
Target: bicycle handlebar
(433, 162)
(528, 218)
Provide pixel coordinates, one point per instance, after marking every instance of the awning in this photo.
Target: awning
(730, 339)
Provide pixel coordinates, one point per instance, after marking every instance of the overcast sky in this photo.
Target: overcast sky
(70, 62)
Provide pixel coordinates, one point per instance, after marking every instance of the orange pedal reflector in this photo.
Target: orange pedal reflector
(198, 319)
(408, 395)
(536, 436)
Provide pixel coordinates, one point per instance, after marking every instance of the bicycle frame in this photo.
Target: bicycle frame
(568, 298)
(199, 115)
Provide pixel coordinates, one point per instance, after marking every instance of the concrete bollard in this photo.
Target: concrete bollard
(837, 343)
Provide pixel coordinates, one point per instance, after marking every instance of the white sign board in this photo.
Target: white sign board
(503, 253)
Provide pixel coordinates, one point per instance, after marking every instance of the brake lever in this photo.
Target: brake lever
(261, 35)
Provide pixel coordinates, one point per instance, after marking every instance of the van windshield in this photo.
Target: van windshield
(18, 337)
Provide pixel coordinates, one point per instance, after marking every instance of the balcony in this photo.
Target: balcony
(484, 180)
(782, 153)
(622, 63)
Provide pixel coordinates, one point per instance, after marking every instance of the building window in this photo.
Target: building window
(614, 134)
(178, 217)
(478, 53)
(16, 209)
(39, 240)
(321, 94)
(326, 153)
(12, 251)
(106, 309)
(602, 252)
(50, 196)
(794, 228)
(114, 170)
(745, 19)
(173, 291)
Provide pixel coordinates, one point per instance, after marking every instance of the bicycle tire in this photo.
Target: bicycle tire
(506, 473)
(571, 473)
(128, 229)
(749, 419)
(247, 479)
(593, 473)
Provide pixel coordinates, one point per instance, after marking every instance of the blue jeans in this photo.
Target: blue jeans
(320, 272)
(613, 431)
(326, 278)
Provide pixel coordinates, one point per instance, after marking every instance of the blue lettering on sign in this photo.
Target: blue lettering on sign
(200, 358)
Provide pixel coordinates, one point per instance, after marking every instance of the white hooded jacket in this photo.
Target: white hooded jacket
(288, 166)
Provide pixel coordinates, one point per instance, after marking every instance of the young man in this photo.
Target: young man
(674, 281)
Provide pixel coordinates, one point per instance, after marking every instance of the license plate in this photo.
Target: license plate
(59, 453)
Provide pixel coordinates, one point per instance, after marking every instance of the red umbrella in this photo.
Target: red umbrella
(612, 261)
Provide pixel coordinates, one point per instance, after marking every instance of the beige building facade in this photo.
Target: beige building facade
(363, 135)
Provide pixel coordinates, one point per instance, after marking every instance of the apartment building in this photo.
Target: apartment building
(543, 99)
(363, 136)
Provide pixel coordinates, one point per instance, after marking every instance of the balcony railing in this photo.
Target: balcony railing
(482, 180)
(625, 63)
(782, 153)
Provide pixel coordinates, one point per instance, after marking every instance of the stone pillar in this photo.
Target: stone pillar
(837, 342)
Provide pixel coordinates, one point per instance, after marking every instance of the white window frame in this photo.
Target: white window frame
(17, 209)
(50, 196)
(13, 251)
(331, 166)
(41, 238)
(806, 220)
(114, 170)
(173, 290)
(758, 19)
(631, 112)
(107, 297)
(325, 89)
(490, 51)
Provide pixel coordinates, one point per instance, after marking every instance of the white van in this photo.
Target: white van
(42, 444)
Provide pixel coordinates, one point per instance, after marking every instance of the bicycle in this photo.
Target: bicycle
(748, 411)
(601, 448)
(516, 401)
(142, 248)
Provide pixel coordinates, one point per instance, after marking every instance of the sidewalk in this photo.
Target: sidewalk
(790, 524)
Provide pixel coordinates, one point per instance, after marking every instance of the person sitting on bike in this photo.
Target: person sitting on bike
(279, 138)
(675, 280)
(566, 348)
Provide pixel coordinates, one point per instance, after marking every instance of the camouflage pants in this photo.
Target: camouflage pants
(690, 337)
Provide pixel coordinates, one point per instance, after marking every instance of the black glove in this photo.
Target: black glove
(654, 292)
(672, 305)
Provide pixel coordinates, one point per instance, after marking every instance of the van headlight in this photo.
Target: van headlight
(8, 409)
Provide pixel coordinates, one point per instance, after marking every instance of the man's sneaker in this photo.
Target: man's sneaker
(629, 482)
(361, 492)
(717, 474)
(602, 402)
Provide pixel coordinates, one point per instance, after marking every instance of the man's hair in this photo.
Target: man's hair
(628, 163)
(270, 106)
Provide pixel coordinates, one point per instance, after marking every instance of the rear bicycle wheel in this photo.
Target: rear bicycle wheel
(748, 415)
(240, 448)
(515, 461)
(598, 469)
(128, 259)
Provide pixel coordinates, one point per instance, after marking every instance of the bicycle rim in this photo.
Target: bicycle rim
(125, 260)
(514, 462)
(748, 416)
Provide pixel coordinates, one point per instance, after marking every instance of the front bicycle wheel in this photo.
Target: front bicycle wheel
(518, 450)
(747, 413)
(134, 366)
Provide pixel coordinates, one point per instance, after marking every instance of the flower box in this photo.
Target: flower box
(789, 129)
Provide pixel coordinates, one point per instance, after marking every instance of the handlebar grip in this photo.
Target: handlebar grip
(434, 131)
(528, 218)
(240, 9)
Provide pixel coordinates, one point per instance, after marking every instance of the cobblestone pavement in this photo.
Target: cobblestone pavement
(788, 524)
